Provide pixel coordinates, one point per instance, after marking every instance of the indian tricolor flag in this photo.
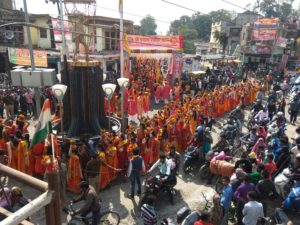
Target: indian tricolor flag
(44, 125)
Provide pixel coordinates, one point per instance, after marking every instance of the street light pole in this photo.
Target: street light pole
(109, 90)
(36, 90)
(29, 35)
(121, 41)
(61, 14)
(123, 83)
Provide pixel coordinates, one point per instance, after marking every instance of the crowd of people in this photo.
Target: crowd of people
(253, 186)
(172, 129)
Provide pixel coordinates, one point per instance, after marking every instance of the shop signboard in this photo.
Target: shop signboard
(281, 42)
(57, 31)
(266, 22)
(263, 34)
(21, 56)
(154, 42)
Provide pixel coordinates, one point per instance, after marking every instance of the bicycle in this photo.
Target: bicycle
(107, 217)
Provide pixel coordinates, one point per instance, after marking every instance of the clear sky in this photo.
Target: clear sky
(163, 12)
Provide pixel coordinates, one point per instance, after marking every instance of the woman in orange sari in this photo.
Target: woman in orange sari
(145, 146)
(132, 145)
(74, 175)
(104, 178)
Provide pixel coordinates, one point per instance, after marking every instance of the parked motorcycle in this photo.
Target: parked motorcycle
(192, 158)
(232, 132)
(204, 171)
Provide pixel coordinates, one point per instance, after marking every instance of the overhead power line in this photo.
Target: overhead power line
(132, 14)
(193, 10)
(81, 33)
(238, 6)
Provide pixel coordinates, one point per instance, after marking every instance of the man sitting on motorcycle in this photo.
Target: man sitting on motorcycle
(257, 107)
(164, 166)
(292, 201)
(221, 144)
(262, 115)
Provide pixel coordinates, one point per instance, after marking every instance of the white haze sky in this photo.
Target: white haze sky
(163, 13)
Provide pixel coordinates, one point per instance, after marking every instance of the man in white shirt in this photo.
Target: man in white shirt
(253, 210)
(262, 115)
(164, 167)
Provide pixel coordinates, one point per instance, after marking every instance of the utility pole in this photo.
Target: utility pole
(61, 15)
(36, 90)
(121, 38)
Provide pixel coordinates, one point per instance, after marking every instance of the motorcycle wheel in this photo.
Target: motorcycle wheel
(219, 185)
(204, 172)
(186, 167)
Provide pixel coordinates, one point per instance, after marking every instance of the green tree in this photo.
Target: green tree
(202, 23)
(190, 36)
(222, 15)
(183, 21)
(148, 25)
(271, 8)
(222, 38)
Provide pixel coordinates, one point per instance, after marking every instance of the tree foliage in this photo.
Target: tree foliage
(222, 15)
(148, 25)
(197, 27)
(271, 8)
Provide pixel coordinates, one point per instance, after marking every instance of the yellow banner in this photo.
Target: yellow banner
(21, 56)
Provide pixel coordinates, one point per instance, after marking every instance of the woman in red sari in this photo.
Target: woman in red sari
(122, 152)
(154, 148)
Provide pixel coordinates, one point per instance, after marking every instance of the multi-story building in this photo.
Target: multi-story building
(103, 46)
(232, 29)
(6, 4)
(202, 48)
(267, 41)
(216, 29)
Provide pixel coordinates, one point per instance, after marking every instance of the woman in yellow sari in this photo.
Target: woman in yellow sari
(112, 160)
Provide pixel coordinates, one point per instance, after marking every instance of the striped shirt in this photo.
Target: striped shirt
(149, 215)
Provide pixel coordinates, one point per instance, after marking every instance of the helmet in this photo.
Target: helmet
(199, 128)
(280, 114)
(16, 191)
(84, 184)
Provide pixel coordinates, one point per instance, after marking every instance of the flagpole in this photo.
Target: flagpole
(53, 151)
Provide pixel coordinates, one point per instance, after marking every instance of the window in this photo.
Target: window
(111, 40)
(107, 40)
(43, 33)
